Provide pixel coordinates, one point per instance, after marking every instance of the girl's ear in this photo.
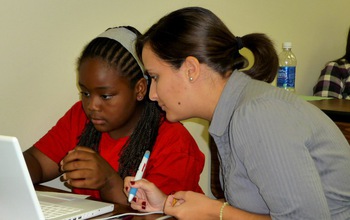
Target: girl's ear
(141, 89)
(192, 68)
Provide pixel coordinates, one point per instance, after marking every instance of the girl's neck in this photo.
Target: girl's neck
(129, 126)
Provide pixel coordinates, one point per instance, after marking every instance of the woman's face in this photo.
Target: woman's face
(108, 100)
(168, 86)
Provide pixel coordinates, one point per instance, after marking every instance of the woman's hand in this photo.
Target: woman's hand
(148, 197)
(191, 205)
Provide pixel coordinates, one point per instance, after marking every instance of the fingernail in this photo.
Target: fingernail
(134, 199)
(132, 182)
(126, 188)
(143, 205)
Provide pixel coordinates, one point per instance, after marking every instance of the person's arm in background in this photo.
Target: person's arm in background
(330, 83)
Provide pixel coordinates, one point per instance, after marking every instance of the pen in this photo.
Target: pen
(139, 174)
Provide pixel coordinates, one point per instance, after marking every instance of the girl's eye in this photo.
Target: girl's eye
(84, 94)
(106, 97)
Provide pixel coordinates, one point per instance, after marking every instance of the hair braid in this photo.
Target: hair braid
(146, 131)
(90, 137)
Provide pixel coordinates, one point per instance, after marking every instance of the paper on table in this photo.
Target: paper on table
(313, 98)
(65, 196)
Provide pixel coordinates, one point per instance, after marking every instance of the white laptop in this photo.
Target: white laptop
(19, 200)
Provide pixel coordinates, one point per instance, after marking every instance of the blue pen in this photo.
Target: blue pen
(139, 174)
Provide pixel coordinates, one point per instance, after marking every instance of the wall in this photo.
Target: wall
(40, 41)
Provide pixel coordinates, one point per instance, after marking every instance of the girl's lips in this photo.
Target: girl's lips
(97, 121)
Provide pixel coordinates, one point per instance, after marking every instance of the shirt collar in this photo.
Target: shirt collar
(227, 104)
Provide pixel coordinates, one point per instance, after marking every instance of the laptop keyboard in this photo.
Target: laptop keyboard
(52, 211)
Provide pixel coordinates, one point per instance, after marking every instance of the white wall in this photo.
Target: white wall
(40, 41)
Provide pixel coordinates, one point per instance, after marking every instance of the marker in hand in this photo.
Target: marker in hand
(139, 174)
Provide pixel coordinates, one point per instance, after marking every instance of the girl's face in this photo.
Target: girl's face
(108, 100)
(168, 86)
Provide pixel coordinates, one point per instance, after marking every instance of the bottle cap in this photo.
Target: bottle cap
(287, 45)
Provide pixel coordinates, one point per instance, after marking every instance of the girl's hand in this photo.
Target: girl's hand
(84, 168)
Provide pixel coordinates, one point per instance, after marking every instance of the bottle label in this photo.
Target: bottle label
(286, 77)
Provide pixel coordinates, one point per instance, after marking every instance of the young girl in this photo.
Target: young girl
(103, 137)
(280, 157)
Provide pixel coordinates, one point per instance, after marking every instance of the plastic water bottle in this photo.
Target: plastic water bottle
(287, 68)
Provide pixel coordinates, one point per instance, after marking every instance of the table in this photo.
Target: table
(118, 208)
(338, 110)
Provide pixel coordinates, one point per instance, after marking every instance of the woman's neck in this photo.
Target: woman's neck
(209, 89)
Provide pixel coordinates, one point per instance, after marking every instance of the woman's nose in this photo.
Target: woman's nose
(152, 92)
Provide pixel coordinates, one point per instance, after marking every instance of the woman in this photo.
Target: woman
(281, 157)
(103, 137)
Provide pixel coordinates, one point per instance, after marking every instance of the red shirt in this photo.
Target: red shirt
(175, 163)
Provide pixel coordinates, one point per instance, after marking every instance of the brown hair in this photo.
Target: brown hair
(195, 31)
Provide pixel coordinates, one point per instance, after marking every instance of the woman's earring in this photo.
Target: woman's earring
(139, 98)
(190, 79)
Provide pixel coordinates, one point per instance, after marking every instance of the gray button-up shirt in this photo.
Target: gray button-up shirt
(279, 154)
